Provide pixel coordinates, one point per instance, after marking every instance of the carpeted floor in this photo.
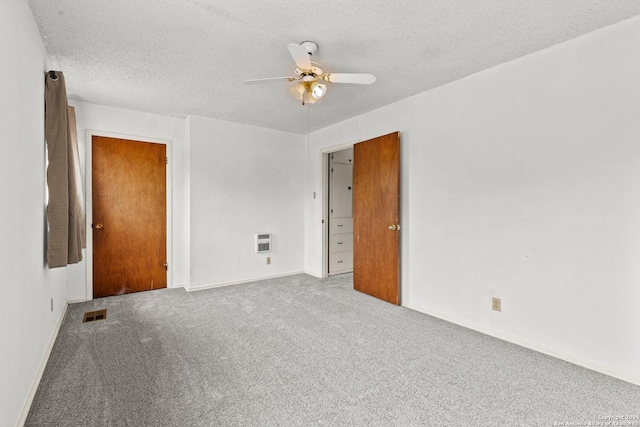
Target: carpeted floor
(301, 351)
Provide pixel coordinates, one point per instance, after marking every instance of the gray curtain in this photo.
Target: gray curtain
(65, 211)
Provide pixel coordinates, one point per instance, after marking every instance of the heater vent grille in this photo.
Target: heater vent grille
(263, 242)
(92, 316)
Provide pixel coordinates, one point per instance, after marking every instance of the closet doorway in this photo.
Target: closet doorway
(340, 212)
(361, 219)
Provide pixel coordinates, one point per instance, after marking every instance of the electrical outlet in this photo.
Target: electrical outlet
(268, 260)
(51, 304)
(496, 304)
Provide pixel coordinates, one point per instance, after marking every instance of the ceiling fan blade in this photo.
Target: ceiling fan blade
(268, 80)
(300, 56)
(357, 78)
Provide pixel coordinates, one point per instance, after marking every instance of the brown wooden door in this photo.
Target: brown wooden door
(376, 217)
(129, 216)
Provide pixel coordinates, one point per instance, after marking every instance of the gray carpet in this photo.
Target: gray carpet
(301, 351)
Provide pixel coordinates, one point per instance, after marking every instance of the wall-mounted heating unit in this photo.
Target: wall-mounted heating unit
(263, 242)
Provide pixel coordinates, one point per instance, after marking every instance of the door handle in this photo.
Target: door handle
(98, 226)
(394, 227)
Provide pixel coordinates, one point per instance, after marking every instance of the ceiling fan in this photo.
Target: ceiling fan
(310, 75)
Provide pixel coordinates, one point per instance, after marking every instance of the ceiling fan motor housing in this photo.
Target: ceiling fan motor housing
(315, 71)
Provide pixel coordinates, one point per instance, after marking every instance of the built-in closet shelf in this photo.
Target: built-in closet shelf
(341, 212)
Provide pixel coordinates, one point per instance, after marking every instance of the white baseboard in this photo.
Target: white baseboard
(621, 374)
(75, 301)
(314, 274)
(43, 363)
(237, 282)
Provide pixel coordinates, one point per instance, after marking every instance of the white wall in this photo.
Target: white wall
(243, 180)
(26, 319)
(145, 125)
(522, 182)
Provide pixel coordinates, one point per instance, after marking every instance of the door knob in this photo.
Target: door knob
(98, 226)
(392, 227)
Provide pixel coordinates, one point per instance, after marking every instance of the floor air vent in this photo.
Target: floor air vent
(92, 316)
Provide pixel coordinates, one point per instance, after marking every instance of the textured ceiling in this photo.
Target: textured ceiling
(180, 57)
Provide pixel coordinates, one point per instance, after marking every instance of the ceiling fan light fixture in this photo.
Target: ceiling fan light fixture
(309, 91)
(298, 91)
(318, 90)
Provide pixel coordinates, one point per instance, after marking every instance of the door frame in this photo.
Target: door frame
(324, 166)
(89, 134)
